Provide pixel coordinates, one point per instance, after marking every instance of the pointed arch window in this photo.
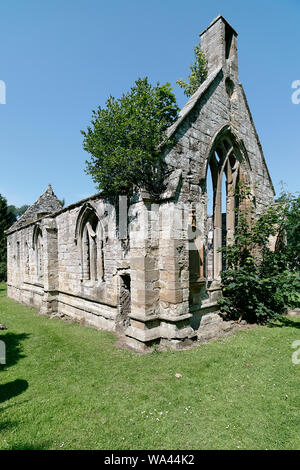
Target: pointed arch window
(26, 252)
(224, 171)
(89, 237)
(18, 254)
(38, 247)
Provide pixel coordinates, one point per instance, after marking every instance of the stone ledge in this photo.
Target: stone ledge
(88, 308)
(175, 318)
(88, 299)
(143, 335)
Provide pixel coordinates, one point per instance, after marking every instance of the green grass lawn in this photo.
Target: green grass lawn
(69, 387)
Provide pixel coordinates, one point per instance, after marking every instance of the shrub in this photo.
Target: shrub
(198, 73)
(7, 218)
(260, 282)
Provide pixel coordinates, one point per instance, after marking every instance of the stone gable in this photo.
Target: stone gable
(44, 205)
(150, 270)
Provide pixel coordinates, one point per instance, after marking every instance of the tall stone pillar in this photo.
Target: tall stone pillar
(219, 44)
(159, 276)
(174, 275)
(50, 276)
(144, 316)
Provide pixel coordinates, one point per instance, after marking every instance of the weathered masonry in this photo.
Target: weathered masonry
(151, 269)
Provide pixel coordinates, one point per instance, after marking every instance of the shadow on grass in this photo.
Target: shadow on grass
(12, 389)
(13, 353)
(284, 322)
(13, 348)
(7, 425)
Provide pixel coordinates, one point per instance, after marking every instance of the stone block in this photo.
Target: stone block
(171, 295)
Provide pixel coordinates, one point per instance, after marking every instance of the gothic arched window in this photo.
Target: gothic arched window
(224, 169)
(39, 252)
(89, 237)
(26, 252)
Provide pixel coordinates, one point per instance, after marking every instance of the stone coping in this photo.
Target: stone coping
(193, 101)
(219, 17)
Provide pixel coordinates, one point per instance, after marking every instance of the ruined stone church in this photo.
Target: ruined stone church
(150, 270)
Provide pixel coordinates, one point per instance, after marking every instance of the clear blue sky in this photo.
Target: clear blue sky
(62, 58)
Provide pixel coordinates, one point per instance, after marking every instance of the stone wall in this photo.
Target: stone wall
(61, 288)
(218, 108)
(156, 277)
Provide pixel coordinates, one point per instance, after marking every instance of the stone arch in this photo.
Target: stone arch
(89, 237)
(38, 247)
(227, 164)
(226, 132)
(26, 257)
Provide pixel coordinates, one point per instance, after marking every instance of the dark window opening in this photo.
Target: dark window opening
(228, 41)
(125, 300)
(92, 248)
(18, 254)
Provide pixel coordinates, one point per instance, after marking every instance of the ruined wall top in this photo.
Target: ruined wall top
(219, 44)
(44, 205)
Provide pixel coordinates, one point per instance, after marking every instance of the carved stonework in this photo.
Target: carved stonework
(156, 279)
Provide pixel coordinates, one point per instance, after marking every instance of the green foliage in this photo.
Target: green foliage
(17, 211)
(198, 73)
(289, 235)
(125, 138)
(7, 218)
(260, 282)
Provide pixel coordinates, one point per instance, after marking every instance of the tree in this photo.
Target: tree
(198, 73)
(288, 241)
(125, 139)
(6, 220)
(260, 282)
(17, 211)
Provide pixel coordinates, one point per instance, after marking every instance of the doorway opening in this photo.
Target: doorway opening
(125, 301)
